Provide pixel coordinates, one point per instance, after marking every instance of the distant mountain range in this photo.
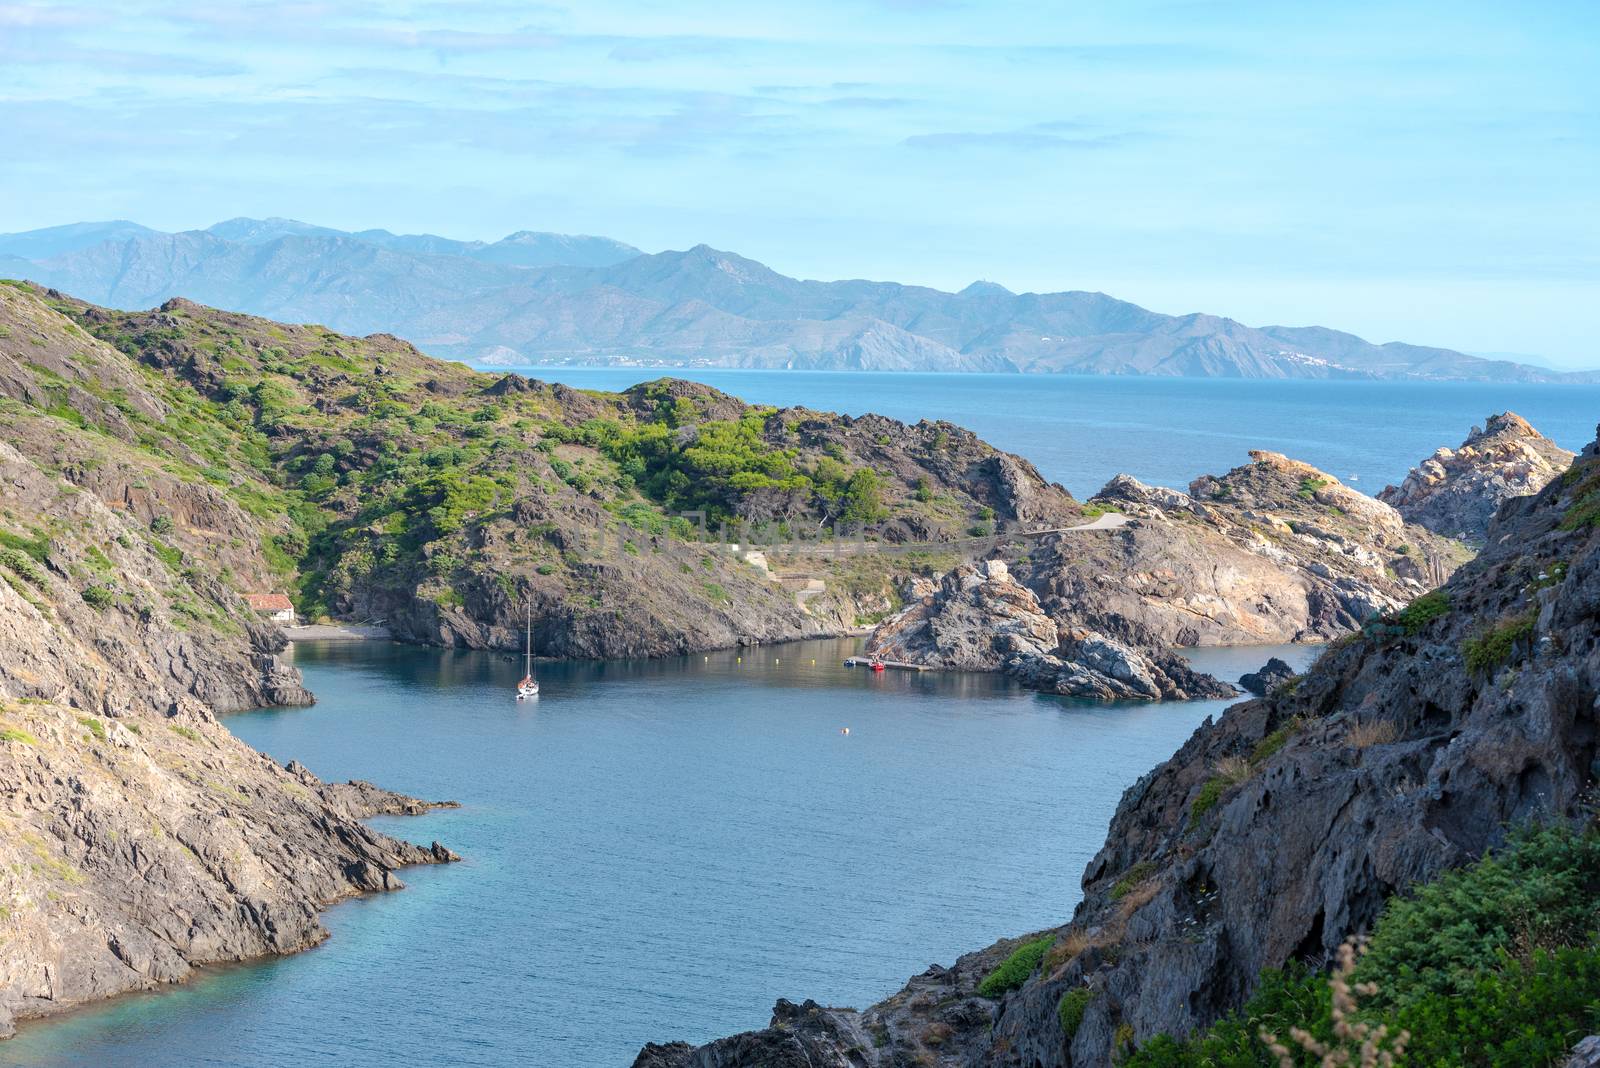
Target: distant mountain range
(540, 298)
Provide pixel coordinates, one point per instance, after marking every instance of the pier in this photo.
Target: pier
(898, 665)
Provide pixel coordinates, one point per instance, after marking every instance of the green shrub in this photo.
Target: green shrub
(22, 565)
(1070, 1009)
(1206, 799)
(99, 597)
(1495, 965)
(1487, 651)
(1015, 969)
(1414, 618)
(161, 524)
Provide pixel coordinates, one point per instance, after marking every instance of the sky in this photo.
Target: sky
(1427, 172)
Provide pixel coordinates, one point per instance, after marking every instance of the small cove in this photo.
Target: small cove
(654, 850)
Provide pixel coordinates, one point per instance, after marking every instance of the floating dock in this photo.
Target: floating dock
(898, 665)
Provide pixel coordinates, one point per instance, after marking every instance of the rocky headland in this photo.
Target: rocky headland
(138, 838)
(1273, 551)
(1411, 747)
(1456, 492)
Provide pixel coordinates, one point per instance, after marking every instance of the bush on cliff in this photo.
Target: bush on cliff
(1015, 969)
(1494, 965)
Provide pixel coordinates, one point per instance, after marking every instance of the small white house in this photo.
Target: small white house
(275, 606)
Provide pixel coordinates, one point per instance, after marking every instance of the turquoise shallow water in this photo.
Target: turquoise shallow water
(654, 851)
(1082, 429)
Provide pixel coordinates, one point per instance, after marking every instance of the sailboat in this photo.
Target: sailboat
(529, 686)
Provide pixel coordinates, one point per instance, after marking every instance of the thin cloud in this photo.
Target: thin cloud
(1032, 138)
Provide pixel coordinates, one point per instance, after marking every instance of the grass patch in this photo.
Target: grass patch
(1269, 746)
(18, 735)
(1309, 487)
(1132, 878)
(96, 728)
(1015, 969)
(1206, 800)
(185, 732)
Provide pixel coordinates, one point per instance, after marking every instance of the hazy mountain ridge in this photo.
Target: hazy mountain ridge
(535, 298)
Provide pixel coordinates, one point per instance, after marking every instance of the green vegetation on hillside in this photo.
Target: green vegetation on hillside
(378, 475)
(1495, 965)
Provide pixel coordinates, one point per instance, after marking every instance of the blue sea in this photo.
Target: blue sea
(659, 850)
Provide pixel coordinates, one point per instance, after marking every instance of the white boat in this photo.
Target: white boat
(529, 686)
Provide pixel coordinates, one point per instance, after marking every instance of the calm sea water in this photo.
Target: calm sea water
(1080, 430)
(655, 850)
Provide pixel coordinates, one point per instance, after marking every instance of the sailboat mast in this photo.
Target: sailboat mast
(527, 644)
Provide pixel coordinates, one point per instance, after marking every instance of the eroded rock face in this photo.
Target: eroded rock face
(1279, 830)
(1455, 492)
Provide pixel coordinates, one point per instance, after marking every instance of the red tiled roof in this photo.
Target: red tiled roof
(268, 602)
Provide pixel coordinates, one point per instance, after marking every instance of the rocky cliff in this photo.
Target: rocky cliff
(1277, 831)
(140, 838)
(1456, 492)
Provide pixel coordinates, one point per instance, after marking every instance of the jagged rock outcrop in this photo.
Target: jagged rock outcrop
(1456, 492)
(979, 618)
(976, 619)
(1280, 829)
(1092, 666)
(1273, 551)
(1272, 674)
